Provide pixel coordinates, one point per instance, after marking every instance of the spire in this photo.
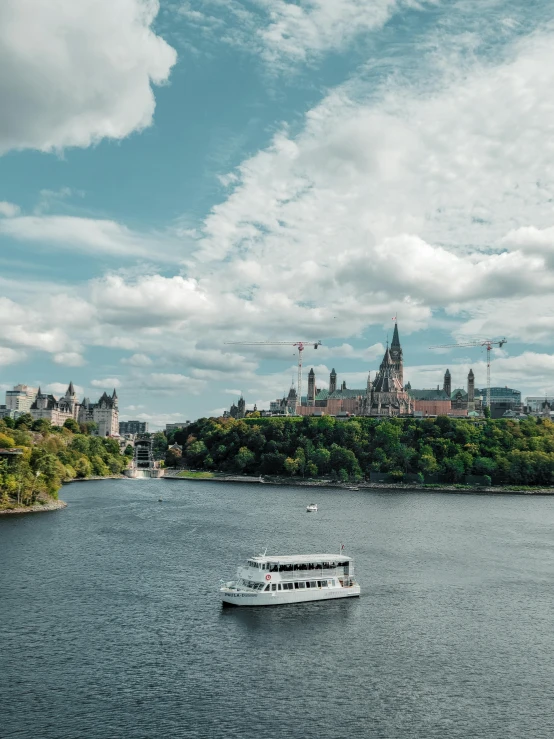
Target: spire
(395, 338)
(386, 358)
(70, 389)
(114, 395)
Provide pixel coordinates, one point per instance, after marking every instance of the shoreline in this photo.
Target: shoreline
(396, 487)
(95, 478)
(53, 505)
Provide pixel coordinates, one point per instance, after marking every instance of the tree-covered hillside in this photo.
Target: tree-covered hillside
(50, 456)
(445, 449)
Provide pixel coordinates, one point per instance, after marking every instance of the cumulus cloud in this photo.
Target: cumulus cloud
(137, 360)
(23, 326)
(69, 359)
(92, 236)
(169, 382)
(76, 72)
(417, 200)
(10, 356)
(60, 388)
(107, 382)
(152, 298)
(8, 209)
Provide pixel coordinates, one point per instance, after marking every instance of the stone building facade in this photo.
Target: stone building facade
(104, 413)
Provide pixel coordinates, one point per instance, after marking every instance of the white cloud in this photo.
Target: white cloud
(531, 370)
(60, 388)
(169, 382)
(76, 72)
(137, 360)
(9, 210)
(93, 236)
(396, 199)
(149, 300)
(10, 356)
(26, 327)
(286, 33)
(107, 382)
(297, 31)
(69, 359)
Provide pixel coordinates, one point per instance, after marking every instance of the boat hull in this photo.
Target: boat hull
(242, 598)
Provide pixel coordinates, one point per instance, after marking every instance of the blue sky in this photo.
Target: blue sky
(178, 175)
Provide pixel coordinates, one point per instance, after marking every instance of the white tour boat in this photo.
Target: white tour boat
(312, 508)
(272, 581)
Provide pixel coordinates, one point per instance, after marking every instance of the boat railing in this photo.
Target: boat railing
(312, 574)
(315, 574)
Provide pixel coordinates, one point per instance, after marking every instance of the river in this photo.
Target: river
(112, 627)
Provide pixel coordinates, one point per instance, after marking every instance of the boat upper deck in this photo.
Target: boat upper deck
(294, 559)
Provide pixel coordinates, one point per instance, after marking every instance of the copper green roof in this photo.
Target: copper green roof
(348, 393)
(428, 394)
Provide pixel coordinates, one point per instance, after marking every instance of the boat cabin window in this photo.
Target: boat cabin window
(274, 586)
(266, 588)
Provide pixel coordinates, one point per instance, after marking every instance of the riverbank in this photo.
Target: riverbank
(392, 487)
(51, 505)
(93, 478)
(55, 505)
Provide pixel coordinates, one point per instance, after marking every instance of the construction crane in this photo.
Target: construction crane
(300, 345)
(489, 343)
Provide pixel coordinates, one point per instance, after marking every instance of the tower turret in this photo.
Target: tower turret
(311, 387)
(241, 407)
(447, 384)
(470, 390)
(332, 381)
(396, 355)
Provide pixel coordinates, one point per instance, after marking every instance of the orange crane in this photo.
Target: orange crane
(489, 343)
(300, 345)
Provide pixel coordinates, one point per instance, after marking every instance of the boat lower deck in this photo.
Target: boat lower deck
(236, 597)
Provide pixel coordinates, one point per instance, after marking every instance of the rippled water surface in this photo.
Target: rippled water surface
(111, 624)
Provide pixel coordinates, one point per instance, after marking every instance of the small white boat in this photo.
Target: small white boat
(272, 581)
(312, 508)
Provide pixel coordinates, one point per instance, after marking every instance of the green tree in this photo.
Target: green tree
(72, 425)
(159, 445)
(244, 460)
(25, 420)
(291, 466)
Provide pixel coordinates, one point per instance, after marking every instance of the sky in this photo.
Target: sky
(180, 174)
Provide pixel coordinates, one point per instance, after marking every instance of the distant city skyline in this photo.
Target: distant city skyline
(207, 172)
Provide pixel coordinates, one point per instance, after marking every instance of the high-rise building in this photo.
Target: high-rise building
(21, 398)
(133, 427)
(177, 425)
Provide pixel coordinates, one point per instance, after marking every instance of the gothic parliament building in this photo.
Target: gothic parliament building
(387, 395)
